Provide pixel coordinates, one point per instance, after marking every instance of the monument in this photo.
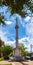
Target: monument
(17, 51)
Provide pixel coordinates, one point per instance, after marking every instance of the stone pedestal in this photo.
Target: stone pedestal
(17, 52)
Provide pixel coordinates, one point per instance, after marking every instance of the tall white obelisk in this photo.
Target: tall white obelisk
(17, 51)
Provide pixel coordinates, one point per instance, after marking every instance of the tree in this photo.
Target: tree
(16, 6)
(1, 43)
(23, 49)
(6, 50)
(2, 19)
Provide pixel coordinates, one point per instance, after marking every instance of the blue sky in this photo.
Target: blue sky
(8, 32)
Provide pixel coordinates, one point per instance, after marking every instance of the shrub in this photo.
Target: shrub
(1, 59)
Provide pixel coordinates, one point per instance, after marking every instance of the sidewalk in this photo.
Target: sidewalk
(6, 62)
(17, 63)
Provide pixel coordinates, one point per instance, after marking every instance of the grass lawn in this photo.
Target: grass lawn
(7, 64)
(1, 59)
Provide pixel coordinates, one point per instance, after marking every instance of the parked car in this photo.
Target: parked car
(31, 58)
(27, 57)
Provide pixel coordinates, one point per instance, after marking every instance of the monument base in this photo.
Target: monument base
(17, 54)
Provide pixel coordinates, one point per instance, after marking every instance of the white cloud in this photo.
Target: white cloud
(29, 28)
(27, 18)
(12, 43)
(8, 22)
(2, 36)
(22, 39)
(26, 42)
(29, 32)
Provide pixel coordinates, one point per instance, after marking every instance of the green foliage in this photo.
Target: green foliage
(2, 19)
(7, 64)
(6, 50)
(30, 4)
(0, 2)
(1, 59)
(28, 54)
(16, 6)
(23, 49)
(1, 44)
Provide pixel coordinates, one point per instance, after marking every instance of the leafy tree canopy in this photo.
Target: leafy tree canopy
(2, 19)
(6, 50)
(23, 49)
(16, 6)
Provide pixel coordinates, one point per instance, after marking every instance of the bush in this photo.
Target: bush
(1, 59)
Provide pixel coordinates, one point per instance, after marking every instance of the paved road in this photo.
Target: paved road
(17, 63)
